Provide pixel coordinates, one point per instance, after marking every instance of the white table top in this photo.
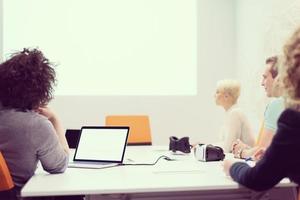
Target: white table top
(183, 174)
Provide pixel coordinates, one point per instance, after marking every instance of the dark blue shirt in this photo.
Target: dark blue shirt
(281, 159)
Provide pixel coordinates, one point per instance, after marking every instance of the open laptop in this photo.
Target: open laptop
(100, 147)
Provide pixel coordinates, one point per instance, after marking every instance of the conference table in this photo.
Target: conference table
(183, 177)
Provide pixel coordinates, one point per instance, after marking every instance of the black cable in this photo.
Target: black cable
(149, 164)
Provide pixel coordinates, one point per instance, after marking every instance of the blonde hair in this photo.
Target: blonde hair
(230, 87)
(290, 71)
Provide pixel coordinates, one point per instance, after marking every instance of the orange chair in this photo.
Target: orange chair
(261, 129)
(139, 134)
(6, 182)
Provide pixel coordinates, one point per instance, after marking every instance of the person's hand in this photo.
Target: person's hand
(259, 153)
(227, 163)
(52, 117)
(46, 111)
(237, 147)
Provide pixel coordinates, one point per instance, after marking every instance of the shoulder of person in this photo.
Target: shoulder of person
(275, 106)
(236, 111)
(277, 101)
(25, 118)
(39, 122)
(288, 128)
(290, 117)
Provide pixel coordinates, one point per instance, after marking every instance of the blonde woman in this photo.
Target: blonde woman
(281, 158)
(236, 125)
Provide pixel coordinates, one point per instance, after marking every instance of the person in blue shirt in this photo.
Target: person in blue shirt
(271, 115)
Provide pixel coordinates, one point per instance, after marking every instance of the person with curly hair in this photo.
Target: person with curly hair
(281, 158)
(29, 130)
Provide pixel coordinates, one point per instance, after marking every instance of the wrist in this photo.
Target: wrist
(244, 152)
(241, 152)
(53, 118)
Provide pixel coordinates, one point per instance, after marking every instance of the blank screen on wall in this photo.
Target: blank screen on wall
(110, 47)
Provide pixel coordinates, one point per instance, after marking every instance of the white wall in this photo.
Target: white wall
(262, 27)
(234, 38)
(194, 116)
(110, 47)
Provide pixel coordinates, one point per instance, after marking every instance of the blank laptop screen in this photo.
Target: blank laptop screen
(102, 144)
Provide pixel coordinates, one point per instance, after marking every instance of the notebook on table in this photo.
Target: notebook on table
(100, 147)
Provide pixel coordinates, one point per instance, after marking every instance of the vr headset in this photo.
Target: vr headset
(182, 144)
(203, 152)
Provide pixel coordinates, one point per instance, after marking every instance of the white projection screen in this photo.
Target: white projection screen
(109, 47)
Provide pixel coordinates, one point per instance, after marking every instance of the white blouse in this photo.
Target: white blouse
(235, 126)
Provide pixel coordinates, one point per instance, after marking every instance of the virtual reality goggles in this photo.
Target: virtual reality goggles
(203, 152)
(182, 144)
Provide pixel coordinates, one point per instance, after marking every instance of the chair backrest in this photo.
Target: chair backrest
(6, 182)
(261, 129)
(139, 133)
(72, 136)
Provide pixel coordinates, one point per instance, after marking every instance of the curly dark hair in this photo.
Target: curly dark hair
(26, 80)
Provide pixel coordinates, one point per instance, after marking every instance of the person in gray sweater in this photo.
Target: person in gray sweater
(29, 131)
